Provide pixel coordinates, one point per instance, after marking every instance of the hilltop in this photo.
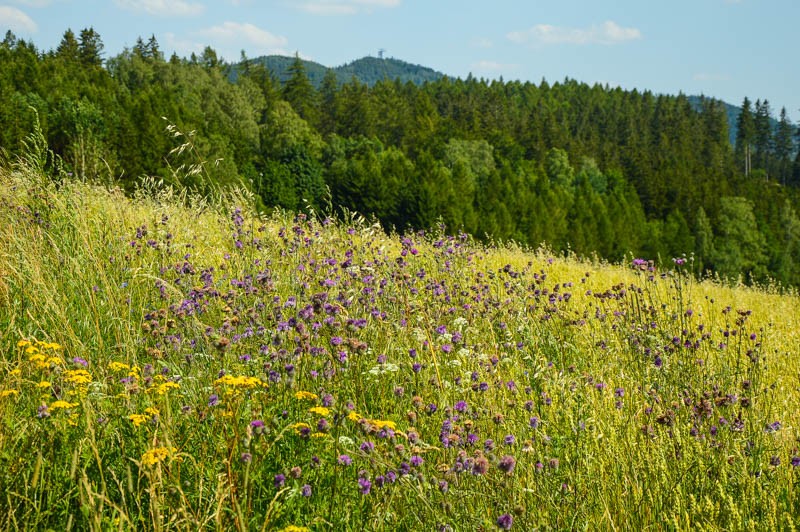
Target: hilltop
(368, 70)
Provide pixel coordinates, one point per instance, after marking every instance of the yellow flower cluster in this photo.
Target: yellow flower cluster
(161, 389)
(138, 419)
(41, 354)
(298, 427)
(155, 456)
(8, 393)
(377, 423)
(320, 410)
(293, 528)
(118, 366)
(305, 395)
(239, 382)
(78, 377)
(62, 404)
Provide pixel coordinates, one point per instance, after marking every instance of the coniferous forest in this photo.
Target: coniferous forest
(591, 170)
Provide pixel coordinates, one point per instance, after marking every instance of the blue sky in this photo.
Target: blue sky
(722, 48)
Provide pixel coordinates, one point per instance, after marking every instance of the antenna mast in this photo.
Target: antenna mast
(380, 53)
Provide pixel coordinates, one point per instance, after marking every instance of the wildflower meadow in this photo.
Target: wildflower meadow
(177, 363)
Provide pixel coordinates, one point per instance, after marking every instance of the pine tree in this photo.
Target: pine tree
(91, 47)
(762, 139)
(68, 49)
(745, 133)
(783, 147)
(299, 92)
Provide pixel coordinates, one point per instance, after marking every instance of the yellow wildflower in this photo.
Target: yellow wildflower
(73, 420)
(62, 404)
(43, 384)
(23, 343)
(379, 424)
(31, 350)
(118, 366)
(352, 416)
(152, 411)
(239, 382)
(7, 393)
(137, 419)
(157, 455)
(293, 528)
(319, 435)
(298, 427)
(15, 372)
(49, 345)
(167, 386)
(78, 376)
(305, 395)
(320, 410)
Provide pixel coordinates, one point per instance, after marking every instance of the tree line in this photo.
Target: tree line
(592, 170)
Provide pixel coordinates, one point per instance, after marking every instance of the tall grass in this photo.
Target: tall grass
(170, 363)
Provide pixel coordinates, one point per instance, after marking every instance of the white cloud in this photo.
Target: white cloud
(163, 8)
(34, 3)
(234, 32)
(15, 20)
(345, 7)
(482, 42)
(493, 66)
(608, 32)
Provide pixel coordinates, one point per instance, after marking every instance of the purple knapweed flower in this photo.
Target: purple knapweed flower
(345, 460)
(507, 464)
(305, 491)
(505, 521)
(364, 486)
(279, 481)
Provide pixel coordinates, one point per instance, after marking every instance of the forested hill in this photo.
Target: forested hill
(367, 70)
(585, 169)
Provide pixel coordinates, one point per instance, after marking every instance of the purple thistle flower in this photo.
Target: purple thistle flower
(367, 447)
(305, 491)
(509, 439)
(488, 445)
(279, 481)
(534, 422)
(795, 461)
(461, 406)
(345, 460)
(416, 461)
(246, 458)
(80, 361)
(507, 464)
(505, 521)
(364, 486)
(213, 400)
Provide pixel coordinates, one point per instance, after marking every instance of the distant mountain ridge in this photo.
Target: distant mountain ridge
(368, 70)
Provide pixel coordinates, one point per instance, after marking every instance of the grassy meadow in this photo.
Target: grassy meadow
(171, 363)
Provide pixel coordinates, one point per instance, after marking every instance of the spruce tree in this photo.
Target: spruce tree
(745, 133)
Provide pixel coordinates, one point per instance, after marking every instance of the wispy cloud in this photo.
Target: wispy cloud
(482, 42)
(15, 20)
(238, 33)
(345, 7)
(493, 66)
(33, 3)
(608, 32)
(228, 40)
(163, 8)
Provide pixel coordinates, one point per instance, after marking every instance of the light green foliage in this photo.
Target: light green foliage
(739, 246)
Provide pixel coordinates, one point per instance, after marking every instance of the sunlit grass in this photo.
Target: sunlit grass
(170, 363)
